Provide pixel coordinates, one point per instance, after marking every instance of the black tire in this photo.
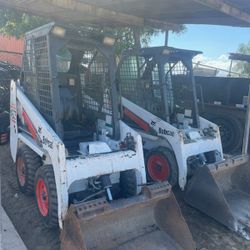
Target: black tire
(167, 156)
(4, 121)
(45, 176)
(231, 131)
(27, 163)
(128, 183)
(4, 127)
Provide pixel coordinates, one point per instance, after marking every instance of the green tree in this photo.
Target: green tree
(243, 67)
(16, 23)
(125, 37)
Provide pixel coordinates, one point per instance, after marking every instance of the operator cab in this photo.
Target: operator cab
(159, 79)
(68, 75)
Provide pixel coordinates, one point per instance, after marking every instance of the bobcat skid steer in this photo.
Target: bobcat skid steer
(71, 149)
(180, 146)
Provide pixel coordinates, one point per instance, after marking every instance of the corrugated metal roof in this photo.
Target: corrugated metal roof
(159, 13)
(182, 11)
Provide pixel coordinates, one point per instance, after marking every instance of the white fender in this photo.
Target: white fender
(13, 121)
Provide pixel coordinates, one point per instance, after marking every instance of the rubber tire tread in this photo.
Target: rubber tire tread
(4, 125)
(4, 122)
(237, 130)
(128, 183)
(47, 174)
(32, 162)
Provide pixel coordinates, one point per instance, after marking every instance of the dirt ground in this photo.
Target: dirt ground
(207, 233)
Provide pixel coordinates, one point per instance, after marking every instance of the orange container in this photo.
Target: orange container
(11, 50)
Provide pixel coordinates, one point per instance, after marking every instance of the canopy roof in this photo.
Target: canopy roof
(171, 53)
(157, 13)
(239, 57)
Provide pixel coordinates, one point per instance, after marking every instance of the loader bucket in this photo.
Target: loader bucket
(222, 191)
(151, 220)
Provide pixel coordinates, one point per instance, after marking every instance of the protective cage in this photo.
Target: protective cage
(67, 79)
(139, 80)
(157, 82)
(96, 83)
(37, 74)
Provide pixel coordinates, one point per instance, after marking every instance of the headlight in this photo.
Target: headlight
(58, 31)
(109, 40)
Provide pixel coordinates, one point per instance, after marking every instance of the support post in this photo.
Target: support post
(166, 37)
(137, 38)
(247, 127)
(230, 68)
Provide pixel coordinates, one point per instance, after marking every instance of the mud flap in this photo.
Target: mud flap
(222, 191)
(152, 220)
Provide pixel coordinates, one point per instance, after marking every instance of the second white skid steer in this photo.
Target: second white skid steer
(71, 149)
(181, 146)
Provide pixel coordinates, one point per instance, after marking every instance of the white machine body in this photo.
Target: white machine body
(184, 142)
(71, 172)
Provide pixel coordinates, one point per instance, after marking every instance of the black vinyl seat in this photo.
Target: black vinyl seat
(75, 130)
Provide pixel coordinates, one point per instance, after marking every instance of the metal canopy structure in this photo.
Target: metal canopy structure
(167, 14)
(239, 57)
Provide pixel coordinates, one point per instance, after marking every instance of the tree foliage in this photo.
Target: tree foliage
(125, 37)
(16, 23)
(243, 67)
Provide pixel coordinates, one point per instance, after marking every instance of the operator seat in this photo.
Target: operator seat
(75, 129)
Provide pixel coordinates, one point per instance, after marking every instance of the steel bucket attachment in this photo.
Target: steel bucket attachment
(222, 191)
(152, 220)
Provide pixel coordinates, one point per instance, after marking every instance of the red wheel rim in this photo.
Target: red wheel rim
(21, 171)
(158, 168)
(42, 197)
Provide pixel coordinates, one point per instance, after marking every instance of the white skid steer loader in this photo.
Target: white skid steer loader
(180, 146)
(72, 150)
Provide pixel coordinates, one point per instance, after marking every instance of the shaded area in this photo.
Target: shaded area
(22, 209)
(207, 233)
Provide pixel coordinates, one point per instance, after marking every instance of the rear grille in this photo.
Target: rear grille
(43, 75)
(139, 81)
(37, 83)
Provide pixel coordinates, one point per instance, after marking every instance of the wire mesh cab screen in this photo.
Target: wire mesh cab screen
(139, 81)
(85, 85)
(96, 83)
(36, 73)
(180, 83)
(71, 85)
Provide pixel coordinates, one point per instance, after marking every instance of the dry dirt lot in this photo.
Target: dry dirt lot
(207, 233)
